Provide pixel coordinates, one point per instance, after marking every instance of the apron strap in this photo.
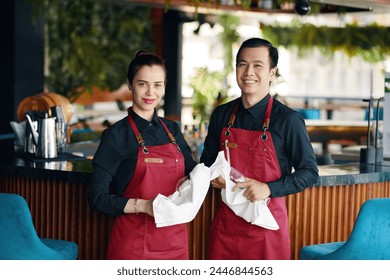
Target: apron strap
(170, 135)
(139, 138)
(232, 118)
(267, 117)
(266, 121)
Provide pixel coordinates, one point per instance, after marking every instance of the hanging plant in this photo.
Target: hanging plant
(229, 36)
(372, 43)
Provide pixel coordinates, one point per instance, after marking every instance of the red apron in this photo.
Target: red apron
(231, 237)
(135, 236)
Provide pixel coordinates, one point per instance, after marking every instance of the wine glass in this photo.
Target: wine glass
(236, 176)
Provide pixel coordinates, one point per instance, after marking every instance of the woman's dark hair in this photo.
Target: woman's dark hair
(141, 59)
(258, 42)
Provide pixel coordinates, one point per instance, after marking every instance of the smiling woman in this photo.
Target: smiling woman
(148, 88)
(139, 157)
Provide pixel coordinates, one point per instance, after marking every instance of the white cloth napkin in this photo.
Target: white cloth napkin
(257, 213)
(182, 206)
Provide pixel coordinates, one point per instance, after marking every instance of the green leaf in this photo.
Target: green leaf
(372, 42)
(90, 43)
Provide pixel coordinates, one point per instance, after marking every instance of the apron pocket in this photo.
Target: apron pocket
(165, 239)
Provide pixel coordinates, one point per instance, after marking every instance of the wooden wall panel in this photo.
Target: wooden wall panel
(60, 210)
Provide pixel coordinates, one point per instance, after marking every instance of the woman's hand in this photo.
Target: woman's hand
(146, 206)
(254, 190)
(137, 206)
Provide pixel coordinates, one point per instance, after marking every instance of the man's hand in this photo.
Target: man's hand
(254, 190)
(218, 183)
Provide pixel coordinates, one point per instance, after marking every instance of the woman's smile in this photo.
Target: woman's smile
(148, 100)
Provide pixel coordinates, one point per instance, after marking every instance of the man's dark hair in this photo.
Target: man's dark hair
(258, 42)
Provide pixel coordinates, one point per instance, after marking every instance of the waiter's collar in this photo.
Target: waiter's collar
(141, 122)
(258, 107)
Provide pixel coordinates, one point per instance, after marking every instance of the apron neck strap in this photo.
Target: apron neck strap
(233, 115)
(140, 140)
(170, 135)
(138, 135)
(232, 118)
(267, 115)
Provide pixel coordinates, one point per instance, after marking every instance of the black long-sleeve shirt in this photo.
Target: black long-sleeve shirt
(115, 159)
(289, 135)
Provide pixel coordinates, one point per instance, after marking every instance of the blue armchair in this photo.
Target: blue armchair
(18, 238)
(369, 239)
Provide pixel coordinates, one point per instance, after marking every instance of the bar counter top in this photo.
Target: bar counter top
(78, 170)
(57, 194)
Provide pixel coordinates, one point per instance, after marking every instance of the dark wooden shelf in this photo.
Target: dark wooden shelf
(206, 8)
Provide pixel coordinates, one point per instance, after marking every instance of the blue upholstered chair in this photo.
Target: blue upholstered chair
(369, 239)
(18, 238)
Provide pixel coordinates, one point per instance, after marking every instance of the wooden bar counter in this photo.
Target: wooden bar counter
(56, 193)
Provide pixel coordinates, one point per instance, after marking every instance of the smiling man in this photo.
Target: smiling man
(265, 140)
